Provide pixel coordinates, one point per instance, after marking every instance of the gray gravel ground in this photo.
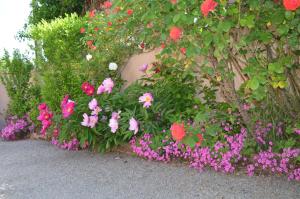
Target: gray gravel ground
(37, 170)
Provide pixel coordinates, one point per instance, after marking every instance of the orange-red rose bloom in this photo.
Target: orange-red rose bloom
(130, 12)
(291, 4)
(107, 4)
(183, 50)
(208, 6)
(177, 131)
(175, 33)
(200, 137)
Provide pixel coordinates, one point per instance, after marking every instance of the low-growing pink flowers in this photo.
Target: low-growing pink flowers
(113, 122)
(93, 104)
(89, 121)
(147, 99)
(67, 107)
(106, 86)
(133, 125)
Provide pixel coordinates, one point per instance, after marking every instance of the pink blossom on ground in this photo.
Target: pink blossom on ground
(147, 99)
(297, 131)
(133, 125)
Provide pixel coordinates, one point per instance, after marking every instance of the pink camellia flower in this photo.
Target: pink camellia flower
(96, 111)
(43, 107)
(86, 120)
(68, 109)
(208, 6)
(93, 104)
(93, 121)
(144, 68)
(133, 125)
(106, 86)
(147, 99)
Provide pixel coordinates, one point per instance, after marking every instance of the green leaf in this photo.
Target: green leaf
(276, 68)
(253, 84)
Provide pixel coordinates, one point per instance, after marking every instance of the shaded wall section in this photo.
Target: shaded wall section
(3, 104)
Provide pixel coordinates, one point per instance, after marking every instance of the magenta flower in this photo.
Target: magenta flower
(106, 86)
(147, 99)
(68, 109)
(42, 107)
(133, 125)
(144, 68)
(297, 131)
(93, 104)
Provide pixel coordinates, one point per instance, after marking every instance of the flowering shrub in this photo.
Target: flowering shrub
(45, 117)
(16, 128)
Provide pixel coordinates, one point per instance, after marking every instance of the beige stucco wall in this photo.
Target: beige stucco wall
(130, 72)
(3, 104)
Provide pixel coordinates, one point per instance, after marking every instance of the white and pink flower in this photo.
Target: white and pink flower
(147, 99)
(133, 125)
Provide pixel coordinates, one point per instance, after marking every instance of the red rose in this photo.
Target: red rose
(82, 30)
(208, 6)
(175, 33)
(129, 11)
(92, 13)
(177, 131)
(173, 2)
(183, 50)
(200, 137)
(107, 4)
(291, 4)
(89, 43)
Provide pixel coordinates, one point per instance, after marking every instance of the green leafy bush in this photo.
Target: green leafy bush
(15, 73)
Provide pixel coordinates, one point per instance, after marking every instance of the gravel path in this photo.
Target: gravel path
(37, 170)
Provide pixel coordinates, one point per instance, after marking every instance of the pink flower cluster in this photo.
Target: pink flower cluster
(91, 121)
(72, 145)
(67, 107)
(275, 162)
(197, 157)
(224, 157)
(16, 128)
(45, 117)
